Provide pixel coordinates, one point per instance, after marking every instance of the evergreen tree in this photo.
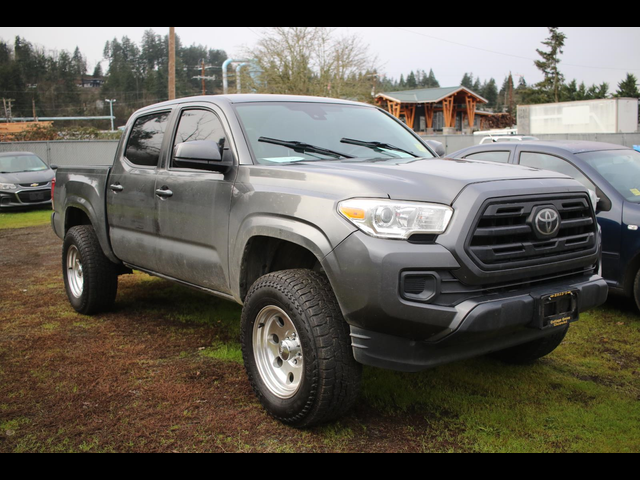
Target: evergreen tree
(628, 88)
(506, 97)
(598, 92)
(432, 81)
(422, 79)
(79, 63)
(490, 93)
(153, 51)
(5, 53)
(412, 83)
(97, 72)
(572, 92)
(549, 65)
(467, 81)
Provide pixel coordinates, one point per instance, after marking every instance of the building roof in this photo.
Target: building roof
(428, 95)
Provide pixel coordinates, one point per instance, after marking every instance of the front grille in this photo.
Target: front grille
(34, 185)
(37, 196)
(505, 235)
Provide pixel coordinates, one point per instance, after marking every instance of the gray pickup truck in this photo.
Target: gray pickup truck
(344, 237)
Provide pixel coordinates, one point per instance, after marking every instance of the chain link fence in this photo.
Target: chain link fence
(68, 153)
(102, 152)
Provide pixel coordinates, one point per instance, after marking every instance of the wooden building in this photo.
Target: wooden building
(453, 109)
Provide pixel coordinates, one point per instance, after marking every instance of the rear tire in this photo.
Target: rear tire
(90, 278)
(530, 352)
(297, 349)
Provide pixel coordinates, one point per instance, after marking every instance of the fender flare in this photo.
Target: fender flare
(85, 206)
(289, 229)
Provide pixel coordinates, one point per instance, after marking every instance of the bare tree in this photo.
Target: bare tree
(313, 61)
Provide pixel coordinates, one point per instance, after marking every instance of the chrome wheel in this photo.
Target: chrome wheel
(75, 274)
(278, 352)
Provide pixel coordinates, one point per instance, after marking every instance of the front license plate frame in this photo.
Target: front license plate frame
(557, 310)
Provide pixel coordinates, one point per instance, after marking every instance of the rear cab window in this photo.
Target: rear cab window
(145, 142)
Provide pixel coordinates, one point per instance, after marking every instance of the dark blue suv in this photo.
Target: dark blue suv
(612, 172)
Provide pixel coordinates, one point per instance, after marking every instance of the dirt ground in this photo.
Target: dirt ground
(134, 380)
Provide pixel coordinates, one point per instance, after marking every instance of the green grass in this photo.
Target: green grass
(585, 397)
(34, 218)
(582, 398)
(225, 353)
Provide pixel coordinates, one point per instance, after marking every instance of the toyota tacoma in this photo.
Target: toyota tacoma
(347, 241)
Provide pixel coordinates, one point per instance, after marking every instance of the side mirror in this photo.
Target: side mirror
(202, 155)
(604, 204)
(54, 167)
(437, 147)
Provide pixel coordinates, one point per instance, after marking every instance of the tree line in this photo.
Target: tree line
(138, 75)
(41, 83)
(293, 60)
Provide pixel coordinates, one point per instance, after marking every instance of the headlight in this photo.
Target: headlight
(8, 186)
(396, 220)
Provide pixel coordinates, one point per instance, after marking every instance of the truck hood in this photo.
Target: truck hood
(435, 180)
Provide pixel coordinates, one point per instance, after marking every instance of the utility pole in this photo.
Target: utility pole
(204, 85)
(203, 76)
(7, 108)
(111, 102)
(375, 77)
(172, 63)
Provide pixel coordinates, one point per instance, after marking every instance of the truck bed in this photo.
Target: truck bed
(81, 191)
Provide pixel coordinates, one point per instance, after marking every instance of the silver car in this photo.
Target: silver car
(25, 180)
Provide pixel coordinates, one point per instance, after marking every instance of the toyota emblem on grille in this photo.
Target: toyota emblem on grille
(547, 222)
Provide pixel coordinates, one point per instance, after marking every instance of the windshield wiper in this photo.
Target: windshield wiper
(301, 147)
(379, 146)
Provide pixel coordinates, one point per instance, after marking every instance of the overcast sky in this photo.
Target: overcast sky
(591, 54)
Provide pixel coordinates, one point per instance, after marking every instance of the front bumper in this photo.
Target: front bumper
(392, 331)
(483, 327)
(25, 198)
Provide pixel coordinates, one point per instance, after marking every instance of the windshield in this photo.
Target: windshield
(22, 163)
(621, 168)
(285, 133)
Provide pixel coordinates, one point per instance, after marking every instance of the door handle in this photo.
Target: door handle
(117, 188)
(164, 193)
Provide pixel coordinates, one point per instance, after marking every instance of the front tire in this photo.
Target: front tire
(90, 278)
(297, 350)
(636, 290)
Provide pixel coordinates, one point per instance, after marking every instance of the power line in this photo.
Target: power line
(254, 32)
(508, 54)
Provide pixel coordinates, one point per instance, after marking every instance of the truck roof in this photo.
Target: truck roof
(253, 98)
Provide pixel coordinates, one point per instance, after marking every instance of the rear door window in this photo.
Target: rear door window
(555, 164)
(497, 157)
